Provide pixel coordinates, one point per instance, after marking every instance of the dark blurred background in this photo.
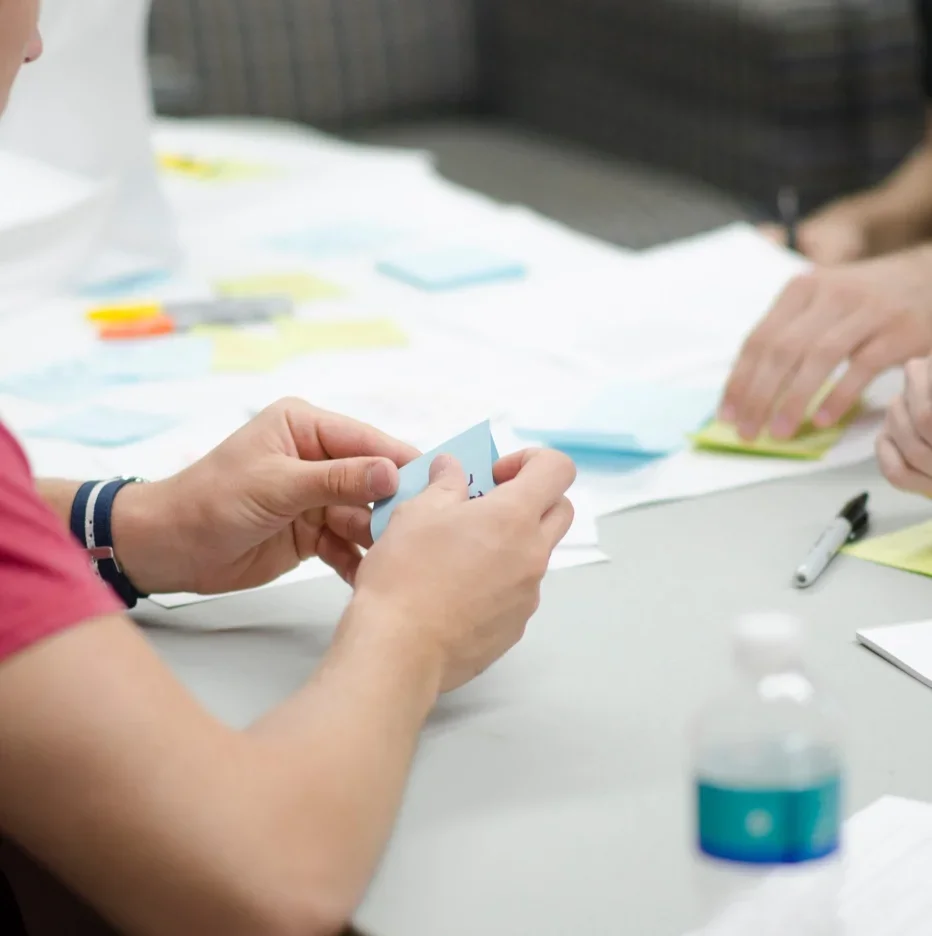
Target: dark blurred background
(635, 120)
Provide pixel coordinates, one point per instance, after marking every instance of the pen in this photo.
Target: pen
(788, 206)
(151, 319)
(849, 526)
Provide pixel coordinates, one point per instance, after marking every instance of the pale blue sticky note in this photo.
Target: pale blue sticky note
(60, 383)
(105, 427)
(125, 285)
(337, 239)
(475, 450)
(175, 357)
(651, 419)
(451, 268)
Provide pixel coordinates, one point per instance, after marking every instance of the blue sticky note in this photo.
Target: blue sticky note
(60, 383)
(175, 357)
(125, 285)
(650, 419)
(105, 427)
(475, 450)
(451, 268)
(337, 239)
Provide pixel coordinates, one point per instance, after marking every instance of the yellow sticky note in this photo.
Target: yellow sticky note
(208, 170)
(909, 549)
(810, 443)
(237, 351)
(304, 336)
(299, 287)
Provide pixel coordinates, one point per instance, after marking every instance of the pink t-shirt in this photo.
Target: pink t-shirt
(46, 582)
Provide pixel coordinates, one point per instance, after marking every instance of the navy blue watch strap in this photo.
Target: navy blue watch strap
(91, 524)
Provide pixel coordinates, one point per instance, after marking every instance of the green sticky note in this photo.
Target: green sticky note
(909, 549)
(303, 336)
(809, 444)
(210, 170)
(237, 351)
(299, 287)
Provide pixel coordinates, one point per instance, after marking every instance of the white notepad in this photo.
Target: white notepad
(908, 646)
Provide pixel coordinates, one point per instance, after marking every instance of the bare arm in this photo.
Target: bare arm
(116, 779)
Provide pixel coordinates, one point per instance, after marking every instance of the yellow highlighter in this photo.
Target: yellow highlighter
(147, 320)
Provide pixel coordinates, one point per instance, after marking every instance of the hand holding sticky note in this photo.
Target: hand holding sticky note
(475, 451)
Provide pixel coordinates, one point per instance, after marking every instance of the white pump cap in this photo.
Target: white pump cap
(769, 642)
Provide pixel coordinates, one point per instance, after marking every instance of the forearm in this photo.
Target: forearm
(349, 737)
(169, 822)
(899, 210)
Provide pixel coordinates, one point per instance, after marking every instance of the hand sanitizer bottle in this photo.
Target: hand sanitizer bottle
(768, 784)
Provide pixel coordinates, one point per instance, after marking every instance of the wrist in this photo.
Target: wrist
(146, 541)
(388, 636)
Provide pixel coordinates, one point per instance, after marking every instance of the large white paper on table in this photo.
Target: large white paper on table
(84, 108)
(563, 558)
(886, 891)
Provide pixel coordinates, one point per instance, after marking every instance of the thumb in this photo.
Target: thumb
(447, 481)
(343, 482)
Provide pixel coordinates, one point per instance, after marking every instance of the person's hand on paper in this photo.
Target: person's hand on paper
(871, 316)
(839, 233)
(904, 446)
(467, 573)
(292, 484)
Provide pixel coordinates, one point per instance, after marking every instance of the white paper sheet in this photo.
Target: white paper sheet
(563, 558)
(907, 646)
(886, 882)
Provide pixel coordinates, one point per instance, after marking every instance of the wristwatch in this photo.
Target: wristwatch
(90, 523)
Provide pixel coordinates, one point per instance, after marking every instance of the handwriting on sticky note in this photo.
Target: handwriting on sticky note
(909, 549)
(304, 336)
(475, 450)
(299, 287)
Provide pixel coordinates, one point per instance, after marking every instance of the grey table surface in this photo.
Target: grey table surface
(551, 797)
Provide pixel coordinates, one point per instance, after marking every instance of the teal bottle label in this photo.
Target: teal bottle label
(768, 826)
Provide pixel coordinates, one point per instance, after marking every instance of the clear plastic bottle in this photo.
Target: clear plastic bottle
(768, 769)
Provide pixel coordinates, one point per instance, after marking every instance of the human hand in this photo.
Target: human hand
(839, 233)
(872, 315)
(461, 577)
(293, 483)
(904, 446)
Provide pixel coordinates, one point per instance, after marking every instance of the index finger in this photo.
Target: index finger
(794, 300)
(320, 434)
(539, 476)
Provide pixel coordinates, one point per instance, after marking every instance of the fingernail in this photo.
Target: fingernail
(439, 465)
(380, 481)
(727, 413)
(822, 419)
(748, 432)
(781, 428)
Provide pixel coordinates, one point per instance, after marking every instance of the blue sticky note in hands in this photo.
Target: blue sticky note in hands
(451, 268)
(105, 427)
(475, 450)
(634, 418)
